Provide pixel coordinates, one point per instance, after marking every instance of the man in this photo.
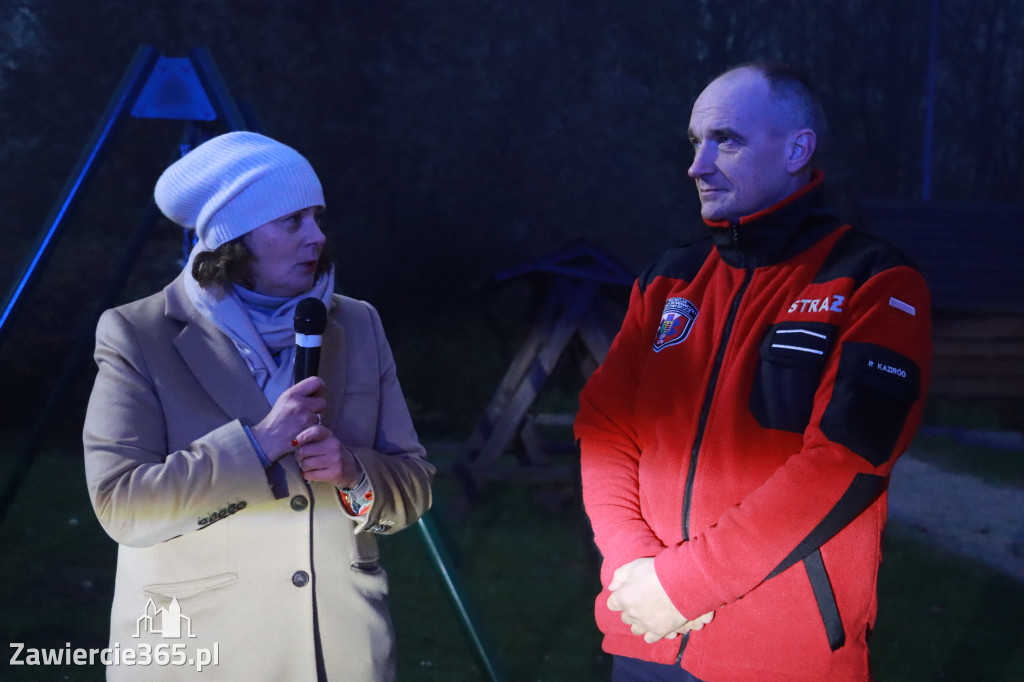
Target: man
(737, 441)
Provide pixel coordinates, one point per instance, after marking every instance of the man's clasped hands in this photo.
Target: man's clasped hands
(645, 606)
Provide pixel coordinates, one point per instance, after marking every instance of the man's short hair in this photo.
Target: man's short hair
(794, 89)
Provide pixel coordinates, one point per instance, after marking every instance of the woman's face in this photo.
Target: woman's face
(285, 253)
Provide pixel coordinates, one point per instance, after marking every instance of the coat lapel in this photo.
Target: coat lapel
(223, 374)
(215, 361)
(333, 368)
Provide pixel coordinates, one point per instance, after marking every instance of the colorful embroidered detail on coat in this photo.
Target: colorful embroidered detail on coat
(676, 322)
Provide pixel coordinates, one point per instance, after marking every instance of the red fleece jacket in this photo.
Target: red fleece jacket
(742, 430)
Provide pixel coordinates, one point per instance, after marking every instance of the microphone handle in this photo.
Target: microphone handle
(307, 362)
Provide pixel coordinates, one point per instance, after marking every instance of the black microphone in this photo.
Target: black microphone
(310, 322)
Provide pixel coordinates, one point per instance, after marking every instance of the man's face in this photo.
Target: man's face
(740, 141)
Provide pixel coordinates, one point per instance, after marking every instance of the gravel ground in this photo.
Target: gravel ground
(960, 513)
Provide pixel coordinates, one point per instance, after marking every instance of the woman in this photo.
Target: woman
(245, 506)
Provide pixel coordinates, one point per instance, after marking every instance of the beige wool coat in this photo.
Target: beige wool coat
(204, 544)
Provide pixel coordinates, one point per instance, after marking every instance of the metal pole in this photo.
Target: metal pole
(44, 423)
(438, 555)
(216, 89)
(121, 102)
(79, 353)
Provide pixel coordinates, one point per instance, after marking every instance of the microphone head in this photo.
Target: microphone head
(310, 317)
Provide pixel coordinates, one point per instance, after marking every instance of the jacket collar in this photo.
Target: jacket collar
(779, 232)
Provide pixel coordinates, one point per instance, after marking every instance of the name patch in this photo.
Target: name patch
(676, 322)
(887, 369)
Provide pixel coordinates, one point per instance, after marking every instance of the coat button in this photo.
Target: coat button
(299, 503)
(300, 578)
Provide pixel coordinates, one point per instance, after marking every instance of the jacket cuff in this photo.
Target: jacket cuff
(358, 499)
(616, 560)
(685, 584)
(264, 460)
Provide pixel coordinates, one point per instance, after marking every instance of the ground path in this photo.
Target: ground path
(959, 512)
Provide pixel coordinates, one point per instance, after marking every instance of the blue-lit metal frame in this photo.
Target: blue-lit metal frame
(121, 103)
(216, 89)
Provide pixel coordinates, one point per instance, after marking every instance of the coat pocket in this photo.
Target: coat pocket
(825, 597)
(178, 605)
(875, 390)
(792, 358)
(187, 589)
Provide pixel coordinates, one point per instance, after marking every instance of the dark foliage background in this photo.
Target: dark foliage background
(459, 137)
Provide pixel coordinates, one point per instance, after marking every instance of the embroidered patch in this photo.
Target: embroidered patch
(676, 322)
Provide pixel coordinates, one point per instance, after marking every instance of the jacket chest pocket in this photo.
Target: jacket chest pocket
(792, 358)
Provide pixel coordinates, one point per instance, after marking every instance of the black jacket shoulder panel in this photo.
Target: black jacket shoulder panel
(860, 256)
(681, 263)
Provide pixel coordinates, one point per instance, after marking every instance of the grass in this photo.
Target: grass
(991, 464)
(529, 577)
(523, 559)
(56, 577)
(944, 617)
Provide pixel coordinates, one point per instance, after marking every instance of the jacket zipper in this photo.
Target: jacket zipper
(708, 397)
(705, 409)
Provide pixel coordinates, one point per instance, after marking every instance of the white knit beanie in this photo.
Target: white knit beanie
(235, 182)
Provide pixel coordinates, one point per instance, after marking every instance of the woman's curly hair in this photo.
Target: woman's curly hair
(230, 264)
